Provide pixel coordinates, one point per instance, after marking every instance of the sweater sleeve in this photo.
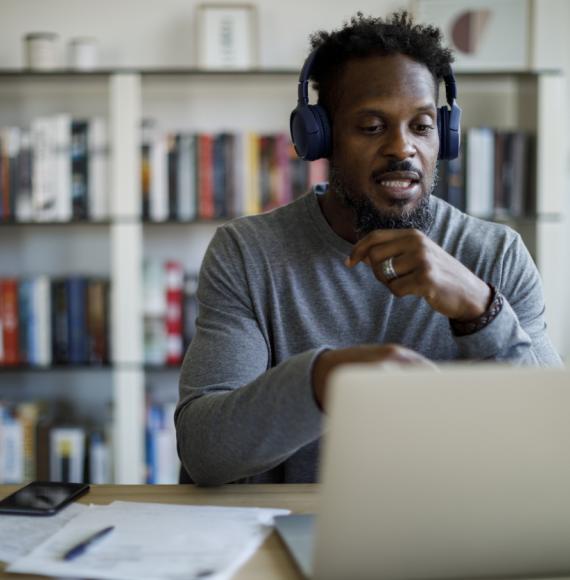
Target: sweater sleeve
(519, 333)
(236, 416)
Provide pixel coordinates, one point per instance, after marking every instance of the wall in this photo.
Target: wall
(161, 32)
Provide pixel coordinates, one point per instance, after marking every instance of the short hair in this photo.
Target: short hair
(365, 36)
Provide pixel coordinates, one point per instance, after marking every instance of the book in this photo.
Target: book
(97, 322)
(10, 321)
(78, 347)
(172, 144)
(206, 209)
(80, 169)
(40, 322)
(99, 459)
(186, 167)
(60, 132)
(28, 415)
(67, 454)
(11, 446)
(174, 288)
(158, 206)
(98, 198)
(60, 321)
(24, 202)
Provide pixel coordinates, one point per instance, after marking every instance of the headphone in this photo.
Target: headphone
(311, 130)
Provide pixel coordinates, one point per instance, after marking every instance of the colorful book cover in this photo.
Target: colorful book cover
(174, 276)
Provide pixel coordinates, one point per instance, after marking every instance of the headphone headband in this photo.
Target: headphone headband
(311, 131)
(303, 87)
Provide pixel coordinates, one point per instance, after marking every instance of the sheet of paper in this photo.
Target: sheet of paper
(158, 541)
(20, 534)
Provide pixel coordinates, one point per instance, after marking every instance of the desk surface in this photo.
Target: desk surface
(270, 562)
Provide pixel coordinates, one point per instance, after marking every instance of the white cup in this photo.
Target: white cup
(41, 50)
(82, 53)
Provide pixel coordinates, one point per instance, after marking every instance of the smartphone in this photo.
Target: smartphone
(42, 498)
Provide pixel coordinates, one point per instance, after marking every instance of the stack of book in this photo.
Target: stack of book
(35, 446)
(47, 321)
(54, 170)
(170, 311)
(494, 175)
(203, 176)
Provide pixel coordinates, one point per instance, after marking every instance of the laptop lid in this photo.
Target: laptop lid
(463, 473)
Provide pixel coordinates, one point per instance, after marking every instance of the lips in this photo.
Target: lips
(398, 184)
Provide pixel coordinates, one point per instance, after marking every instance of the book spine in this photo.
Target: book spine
(77, 319)
(60, 133)
(60, 322)
(206, 176)
(28, 415)
(172, 162)
(42, 327)
(186, 210)
(174, 318)
(97, 170)
(24, 204)
(159, 180)
(80, 169)
(97, 321)
(12, 448)
(10, 322)
(67, 460)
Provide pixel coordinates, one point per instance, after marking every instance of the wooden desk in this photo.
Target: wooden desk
(270, 562)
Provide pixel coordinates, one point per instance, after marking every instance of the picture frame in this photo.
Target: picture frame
(489, 35)
(227, 36)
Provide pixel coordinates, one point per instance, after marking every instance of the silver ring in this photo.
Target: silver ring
(388, 269)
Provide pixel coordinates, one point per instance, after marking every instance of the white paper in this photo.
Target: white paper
(21, 534)
(158, 541)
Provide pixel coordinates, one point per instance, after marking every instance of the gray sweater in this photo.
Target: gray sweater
(274, 292)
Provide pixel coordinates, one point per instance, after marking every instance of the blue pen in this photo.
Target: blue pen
(85, 544)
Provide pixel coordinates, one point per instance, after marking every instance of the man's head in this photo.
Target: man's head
(378, 81)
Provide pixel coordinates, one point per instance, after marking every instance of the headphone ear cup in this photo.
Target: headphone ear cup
(443, 132)
(310, 132)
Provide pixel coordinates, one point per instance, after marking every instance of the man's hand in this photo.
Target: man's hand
(372, 353)
(424, 269)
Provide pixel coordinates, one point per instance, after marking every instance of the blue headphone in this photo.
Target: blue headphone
(311, 131)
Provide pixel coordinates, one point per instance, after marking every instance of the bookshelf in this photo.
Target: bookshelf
(194, 100)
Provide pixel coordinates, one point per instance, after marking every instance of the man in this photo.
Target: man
(371, 269)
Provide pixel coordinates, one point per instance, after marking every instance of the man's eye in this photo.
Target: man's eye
(371, 128)
(420, 128)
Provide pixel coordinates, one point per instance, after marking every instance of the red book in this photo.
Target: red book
(174, 315)
(206, 176)
(9, 318)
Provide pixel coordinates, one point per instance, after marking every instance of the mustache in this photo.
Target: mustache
(393, 166)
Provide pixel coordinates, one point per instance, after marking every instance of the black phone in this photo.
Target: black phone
(42, 498)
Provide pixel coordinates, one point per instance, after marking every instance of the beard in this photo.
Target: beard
(367, 217)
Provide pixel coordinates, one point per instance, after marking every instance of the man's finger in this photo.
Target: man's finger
(377, 239)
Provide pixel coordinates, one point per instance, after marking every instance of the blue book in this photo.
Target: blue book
(25, 313)
(77, 320)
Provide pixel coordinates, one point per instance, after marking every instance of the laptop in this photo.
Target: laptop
(462, 473)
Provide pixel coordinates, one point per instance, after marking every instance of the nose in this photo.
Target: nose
(398, 144)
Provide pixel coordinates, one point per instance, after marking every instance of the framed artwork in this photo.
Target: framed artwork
(226, 36)
(484, 34)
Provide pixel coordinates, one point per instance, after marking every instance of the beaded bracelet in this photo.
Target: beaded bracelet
(464, 328)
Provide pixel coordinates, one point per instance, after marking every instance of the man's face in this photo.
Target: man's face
(385, 142)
